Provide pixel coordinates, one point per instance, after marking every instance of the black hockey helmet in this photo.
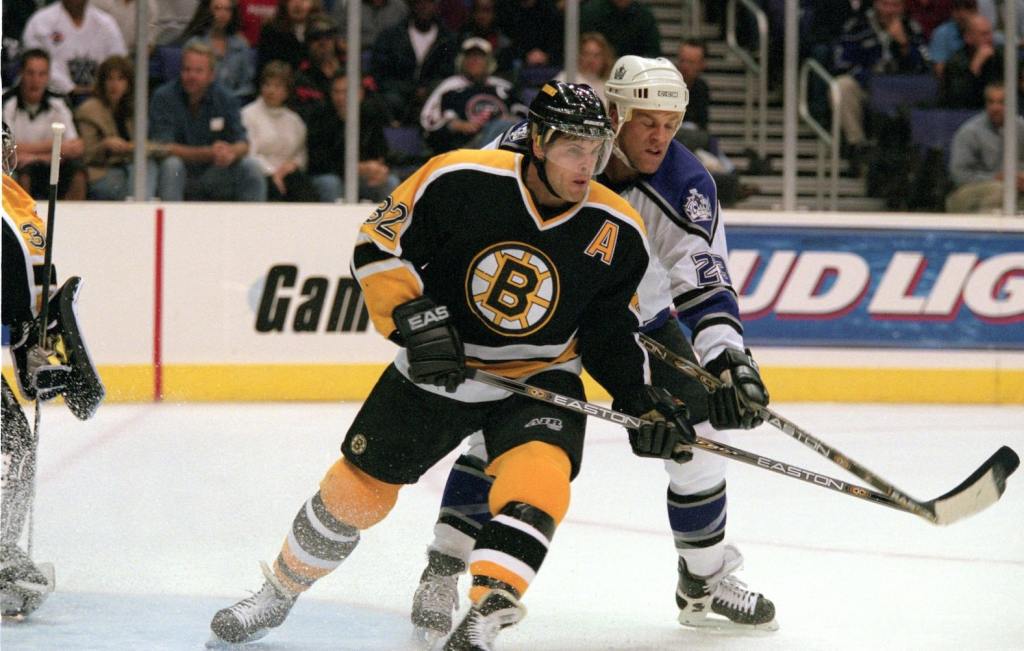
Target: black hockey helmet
(10, 160)
(573, 110)
(570, 108)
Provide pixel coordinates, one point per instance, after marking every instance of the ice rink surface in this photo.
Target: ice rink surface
(157, 515)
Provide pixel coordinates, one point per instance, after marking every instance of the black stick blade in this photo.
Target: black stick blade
(979, 491)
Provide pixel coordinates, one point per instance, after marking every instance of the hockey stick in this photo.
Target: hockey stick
(721, 449)
(51, 209)
(976, 493)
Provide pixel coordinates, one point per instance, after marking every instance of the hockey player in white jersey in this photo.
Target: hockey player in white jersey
(687, 282)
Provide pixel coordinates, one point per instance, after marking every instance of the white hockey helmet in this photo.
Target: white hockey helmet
(646, 84)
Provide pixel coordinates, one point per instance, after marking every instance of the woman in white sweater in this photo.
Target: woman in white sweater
(277, 137)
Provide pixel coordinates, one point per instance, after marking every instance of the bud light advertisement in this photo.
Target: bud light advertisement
(878, 287)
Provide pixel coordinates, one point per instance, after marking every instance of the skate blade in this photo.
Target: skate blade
(50, 574)
(217, 643)
(726, 626)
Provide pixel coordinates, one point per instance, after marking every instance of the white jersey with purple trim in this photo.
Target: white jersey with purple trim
(688, 270)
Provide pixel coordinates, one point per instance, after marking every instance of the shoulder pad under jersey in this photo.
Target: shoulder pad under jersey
(685, 191)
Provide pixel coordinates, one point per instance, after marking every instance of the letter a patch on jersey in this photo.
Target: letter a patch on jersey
(603, 244)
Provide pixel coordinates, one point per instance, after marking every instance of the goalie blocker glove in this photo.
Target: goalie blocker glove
(62, 366)
(431, 342)
(728, 404)
(668, 434)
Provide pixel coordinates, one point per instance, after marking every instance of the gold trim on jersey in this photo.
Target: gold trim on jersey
(19, 211)
(520, 368)
(386, 285)
(394, 215)
(513, 288)
(603, 196)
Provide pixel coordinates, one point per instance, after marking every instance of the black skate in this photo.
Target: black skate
(721, 601)
(437, 597)
(477, 632)
(253, 617)
(24, 585)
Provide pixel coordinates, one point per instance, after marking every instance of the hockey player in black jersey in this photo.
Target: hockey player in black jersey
(518, 264)
(687, 284)
(57, 366)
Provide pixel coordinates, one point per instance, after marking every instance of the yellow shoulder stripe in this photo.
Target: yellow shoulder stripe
(601, 194)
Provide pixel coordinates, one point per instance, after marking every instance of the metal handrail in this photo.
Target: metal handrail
(757, 68)
(824, 138)
(691, 23)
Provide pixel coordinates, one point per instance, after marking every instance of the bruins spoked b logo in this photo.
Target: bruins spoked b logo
(513, 288)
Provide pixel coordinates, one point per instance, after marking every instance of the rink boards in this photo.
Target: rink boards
(222, 302)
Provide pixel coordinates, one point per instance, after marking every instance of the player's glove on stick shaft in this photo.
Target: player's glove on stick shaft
(728, 405)
(667, 435)
(431, 342)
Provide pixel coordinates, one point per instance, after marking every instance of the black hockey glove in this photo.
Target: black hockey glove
(729, 405)
(667, 435)
(434, 348)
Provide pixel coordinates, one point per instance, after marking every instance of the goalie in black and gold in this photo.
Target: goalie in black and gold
(58, 366)
(520, 265)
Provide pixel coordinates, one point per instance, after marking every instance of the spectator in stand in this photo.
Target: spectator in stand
(28, 110)
(123, 12)
(326, 142)
(929, 14)
(105, 122)
(483, 23)
(594, 62)
(628, 25)
(255, 14)
(78, 38)
(694, 133)
(536, 29)
(170, 20)
(691, 61)
(463, 106)
(216, 24)
(277, 137)
(375, 17)
(974, 66)
(881, 41)
(410, 58)
(453, 14)
(15, 16)
(201, 125)
(284, 38)
(313, 82)
(948, 38)
(976, 159)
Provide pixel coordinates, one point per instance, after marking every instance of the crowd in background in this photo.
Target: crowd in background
(248, 97)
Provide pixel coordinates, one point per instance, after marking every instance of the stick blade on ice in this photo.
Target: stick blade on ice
(979, 491)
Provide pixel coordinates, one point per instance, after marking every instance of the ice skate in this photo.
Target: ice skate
(477, 631)
(436, 598)
(721, 601)
(24, 585)
(252, 618)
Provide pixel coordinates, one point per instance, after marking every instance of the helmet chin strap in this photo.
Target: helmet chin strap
(542, 173)
(616, 151)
